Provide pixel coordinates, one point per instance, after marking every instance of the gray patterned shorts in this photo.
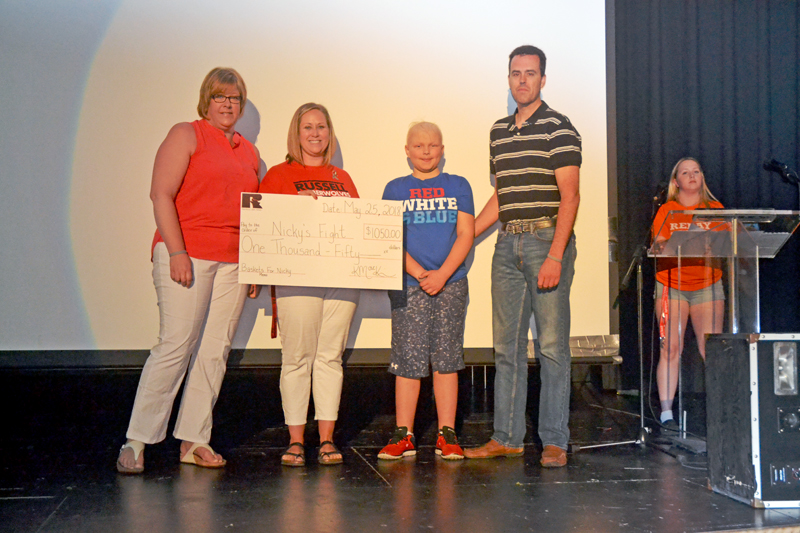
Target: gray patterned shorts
(428, 331)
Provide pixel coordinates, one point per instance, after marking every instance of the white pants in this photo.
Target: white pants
(216, 297)
(314, 323)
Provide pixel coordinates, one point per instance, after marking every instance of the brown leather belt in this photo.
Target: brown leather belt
(528, 226)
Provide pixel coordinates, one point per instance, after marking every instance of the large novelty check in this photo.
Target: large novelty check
(327, 242)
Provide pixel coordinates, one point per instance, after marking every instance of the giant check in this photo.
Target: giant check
(327, 242)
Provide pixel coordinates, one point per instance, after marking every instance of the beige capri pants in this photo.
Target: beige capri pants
(314, 324)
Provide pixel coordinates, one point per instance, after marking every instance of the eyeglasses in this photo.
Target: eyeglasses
(220, 99)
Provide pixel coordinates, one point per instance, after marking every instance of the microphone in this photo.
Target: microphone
(773, 165)
(661, 191)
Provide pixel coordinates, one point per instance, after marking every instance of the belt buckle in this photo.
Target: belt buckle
(514, 228)
(528, 226)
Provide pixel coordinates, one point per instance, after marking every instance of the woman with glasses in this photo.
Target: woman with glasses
(200, 171)
(314, 322)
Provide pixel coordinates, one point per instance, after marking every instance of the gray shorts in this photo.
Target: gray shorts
(428, 331)
(712, 293)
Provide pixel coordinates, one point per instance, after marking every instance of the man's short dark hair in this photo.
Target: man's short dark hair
(528, 50)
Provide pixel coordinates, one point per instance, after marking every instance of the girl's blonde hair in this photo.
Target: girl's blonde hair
(672, 193)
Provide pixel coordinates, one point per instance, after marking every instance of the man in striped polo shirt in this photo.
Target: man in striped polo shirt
(535, 158)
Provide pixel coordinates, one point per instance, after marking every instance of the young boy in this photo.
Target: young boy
(428, 314)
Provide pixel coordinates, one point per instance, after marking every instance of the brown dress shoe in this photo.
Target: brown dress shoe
(492, 449)
(553, 457)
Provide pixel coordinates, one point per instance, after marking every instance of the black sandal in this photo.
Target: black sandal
(324, 458)
(293, 462)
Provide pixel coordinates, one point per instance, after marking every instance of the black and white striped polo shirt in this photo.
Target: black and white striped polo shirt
(524, 161)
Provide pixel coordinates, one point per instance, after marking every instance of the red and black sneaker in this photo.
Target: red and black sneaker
(447, 445)
(401, 445)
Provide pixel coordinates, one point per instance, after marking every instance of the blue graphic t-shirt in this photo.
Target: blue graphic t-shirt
(430, 217)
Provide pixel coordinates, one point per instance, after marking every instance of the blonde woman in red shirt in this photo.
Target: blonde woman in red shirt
(693, 291)
(200, 171)
(314, 321)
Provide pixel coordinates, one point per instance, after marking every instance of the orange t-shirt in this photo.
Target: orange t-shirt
(291, 178)
(210, 195)
(694, 274)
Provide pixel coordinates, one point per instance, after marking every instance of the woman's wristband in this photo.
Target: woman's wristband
(179, 252)
(553, 258)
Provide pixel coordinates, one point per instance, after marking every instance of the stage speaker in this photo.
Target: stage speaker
(753, 418)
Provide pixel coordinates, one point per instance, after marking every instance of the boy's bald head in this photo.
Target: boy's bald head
(424, 127)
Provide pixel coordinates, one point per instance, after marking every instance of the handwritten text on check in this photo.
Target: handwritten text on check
(327, 242)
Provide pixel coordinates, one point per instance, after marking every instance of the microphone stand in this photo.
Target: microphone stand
(786, 175)
(636, 266)
(791, 177)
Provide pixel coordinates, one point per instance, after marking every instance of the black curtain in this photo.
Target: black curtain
(719, 81)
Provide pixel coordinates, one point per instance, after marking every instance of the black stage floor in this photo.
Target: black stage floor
(63, 430)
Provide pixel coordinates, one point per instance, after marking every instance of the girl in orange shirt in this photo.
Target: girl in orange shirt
(693, 290)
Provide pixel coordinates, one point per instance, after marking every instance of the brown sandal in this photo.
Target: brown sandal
(293, 461)
(325, 458)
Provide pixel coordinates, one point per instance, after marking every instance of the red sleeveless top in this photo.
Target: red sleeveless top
(209, 198)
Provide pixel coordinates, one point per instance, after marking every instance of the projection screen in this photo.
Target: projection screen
(93, 87)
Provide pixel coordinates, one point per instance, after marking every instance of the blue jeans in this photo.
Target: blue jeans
(515, 295)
